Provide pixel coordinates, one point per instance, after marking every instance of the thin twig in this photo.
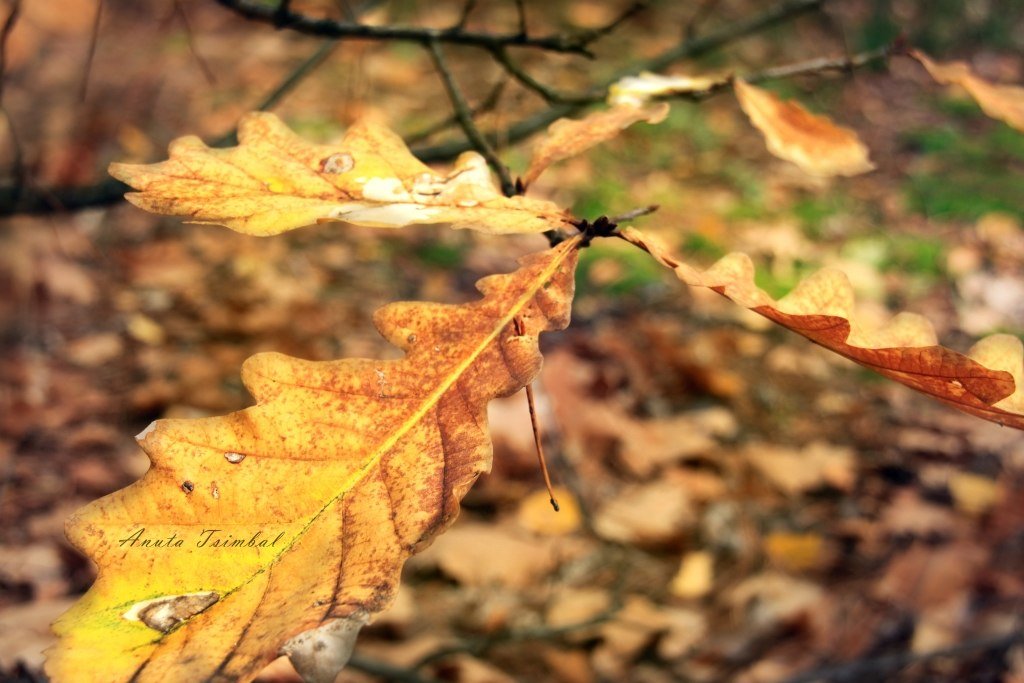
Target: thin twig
(487, 104)
(706, 8)
(538, 440)
(550, 95)
(286, 86)
(5, 34)
(18, 199)
(208, 74)
(387, 671)
(591, 36)
(877, 668)
(634, 214)
(330, 28)
(467, 9)
(521, 15)
(91, 54)
(14, 199)
(18, 159)
(465, 118)
(481, 644)
(687, 49)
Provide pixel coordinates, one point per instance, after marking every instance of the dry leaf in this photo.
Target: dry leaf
(772, 597)
(812, 142)
(285, 526)
(696, 575)
(648, 514)
(568, 137)
(275, 181)
(536, 514)
(482, 555)
(638, 90)
(973, 493)
(1003, 102)
(796, 471)
(795, 552)
(988, 382)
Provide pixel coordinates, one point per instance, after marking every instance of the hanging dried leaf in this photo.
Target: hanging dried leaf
(275, 181)
(638, 90)
(285, 526)
(1003, 102)
(812, 142)
(568, 137)
(987, 382)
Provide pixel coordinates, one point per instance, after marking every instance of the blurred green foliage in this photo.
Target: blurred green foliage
(967, 174)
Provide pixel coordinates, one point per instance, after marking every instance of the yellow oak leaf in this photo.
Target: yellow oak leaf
(568, 137)
(1003, 102)
(811, 141)
(987, 382)
(284, 527)
(275, 181)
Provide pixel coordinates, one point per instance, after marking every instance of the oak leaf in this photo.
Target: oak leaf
(568, 137)
(1003, 102)
(640, 89)
(987, 382)
(285, 526)
(275, 181)
(811, 141)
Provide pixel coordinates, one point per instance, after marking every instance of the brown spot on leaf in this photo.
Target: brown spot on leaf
(164, 614)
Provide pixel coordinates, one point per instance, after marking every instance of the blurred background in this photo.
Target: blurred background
(738, 504)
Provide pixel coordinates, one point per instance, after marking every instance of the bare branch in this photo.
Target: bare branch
(550, 95)
(690, 48)
(290, 82)
(5, 34)
(457, 35)
(467, 9)
(17, 198)
(465, 119)
(208, 74)
(521, 15)
(94, 38)
(386, 671)
(687, 49)
(487, 104)
(600, 32)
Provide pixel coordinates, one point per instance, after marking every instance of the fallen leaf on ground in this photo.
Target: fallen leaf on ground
(973, 493)
(285, 526)
(771, 598)
(275, 181)
(483, 555)
(572, 606)
(25, 631)
(794, 471)
(568, 137)
(811, 141)
(695, 577)
(988, 382)
(536, 514)
(1003, 102)
(795, 552)
(922, 577)
(645, 515)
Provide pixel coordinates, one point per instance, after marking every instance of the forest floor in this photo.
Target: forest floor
(738, 504)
